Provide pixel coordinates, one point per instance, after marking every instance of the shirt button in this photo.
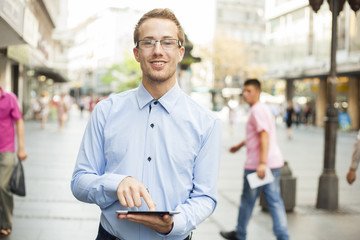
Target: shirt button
(156, 102)
(152, 125)
(149, 159)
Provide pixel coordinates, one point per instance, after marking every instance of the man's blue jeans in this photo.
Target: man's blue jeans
(274, 203)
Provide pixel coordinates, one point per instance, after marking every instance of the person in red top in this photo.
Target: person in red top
(10, 116)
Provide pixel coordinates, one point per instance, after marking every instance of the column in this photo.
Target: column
(289, 90)
(320, 104)
(353, 98)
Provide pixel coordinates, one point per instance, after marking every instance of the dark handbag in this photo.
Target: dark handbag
(17, 181)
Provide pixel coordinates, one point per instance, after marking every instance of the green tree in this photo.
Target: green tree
(126, 75)
(231, 58)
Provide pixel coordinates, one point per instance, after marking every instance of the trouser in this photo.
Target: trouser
(7, 164)
(104, 235)
(274, 202)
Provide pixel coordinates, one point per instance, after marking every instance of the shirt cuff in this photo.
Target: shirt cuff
(179, 225)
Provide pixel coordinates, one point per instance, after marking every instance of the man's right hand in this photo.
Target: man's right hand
(21, 154)
(351, 176)
(130, 191)
(234, 149)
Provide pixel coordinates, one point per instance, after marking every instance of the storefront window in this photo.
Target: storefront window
(354, 32)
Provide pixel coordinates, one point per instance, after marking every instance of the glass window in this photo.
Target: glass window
(354, 32)
(275, 25)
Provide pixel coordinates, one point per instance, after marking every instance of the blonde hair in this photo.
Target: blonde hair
(164, 13)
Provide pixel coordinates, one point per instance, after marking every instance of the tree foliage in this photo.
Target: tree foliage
(125, 76)
(229, 57)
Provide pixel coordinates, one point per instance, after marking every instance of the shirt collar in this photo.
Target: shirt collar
(255, 104)
(168, 100)
(143, 96)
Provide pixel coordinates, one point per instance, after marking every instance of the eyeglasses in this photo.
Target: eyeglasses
(165, 43)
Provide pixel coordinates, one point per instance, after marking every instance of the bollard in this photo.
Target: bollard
(287, 189)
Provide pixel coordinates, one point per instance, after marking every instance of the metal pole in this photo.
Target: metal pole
(328, 182)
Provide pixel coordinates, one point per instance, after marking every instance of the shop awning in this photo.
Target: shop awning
(50, 73)
(8, 35)
(11, 22)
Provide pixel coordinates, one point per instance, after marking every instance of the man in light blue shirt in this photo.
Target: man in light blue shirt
(151, 148)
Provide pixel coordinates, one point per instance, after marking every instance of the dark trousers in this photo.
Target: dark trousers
(104, 235)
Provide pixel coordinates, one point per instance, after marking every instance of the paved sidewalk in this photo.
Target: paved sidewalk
(305, 157)
(49, 211)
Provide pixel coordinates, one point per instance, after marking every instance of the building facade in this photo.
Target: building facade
(238, 48)
(241, 24)
(99, 41)
(298, 52)
(27, 50)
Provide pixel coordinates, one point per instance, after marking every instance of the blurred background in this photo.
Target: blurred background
(84, 48)
(56, 53)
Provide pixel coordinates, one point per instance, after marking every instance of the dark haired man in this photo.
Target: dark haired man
(262, 153)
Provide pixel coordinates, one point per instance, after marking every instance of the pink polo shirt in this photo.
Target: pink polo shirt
(9, 112)
(261, 119)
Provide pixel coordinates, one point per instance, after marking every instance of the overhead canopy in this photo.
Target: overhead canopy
(50, 73)
(11, 22)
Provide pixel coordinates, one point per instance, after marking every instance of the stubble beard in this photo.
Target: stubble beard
(158, 78)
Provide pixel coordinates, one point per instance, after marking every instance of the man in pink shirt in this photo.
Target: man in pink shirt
(9, 114)
(262, 153)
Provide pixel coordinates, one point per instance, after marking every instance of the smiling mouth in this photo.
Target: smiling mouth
(158, 63)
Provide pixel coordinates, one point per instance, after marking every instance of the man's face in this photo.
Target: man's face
(251, 94)
(158, 64)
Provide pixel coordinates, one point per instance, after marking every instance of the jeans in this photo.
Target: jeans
(274, 203)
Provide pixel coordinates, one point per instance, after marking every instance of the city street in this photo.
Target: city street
(49, 211)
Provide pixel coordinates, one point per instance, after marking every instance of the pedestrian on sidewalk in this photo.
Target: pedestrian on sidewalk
(44, 103)
(151, 148)
(297, 113)
(9, 114)
(262, 153)
(307, 112)
(289, 119)
(62, 109)
(351, 175)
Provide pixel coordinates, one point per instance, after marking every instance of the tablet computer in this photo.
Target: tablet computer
(158, 213)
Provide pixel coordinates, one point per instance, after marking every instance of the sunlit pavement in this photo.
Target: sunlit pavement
(49, 211)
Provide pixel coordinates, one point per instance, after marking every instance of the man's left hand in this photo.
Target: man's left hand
(261, 170)
(21, 154)
(161, 224)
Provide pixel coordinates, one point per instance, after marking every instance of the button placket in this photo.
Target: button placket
(148, 166)
(153, 106)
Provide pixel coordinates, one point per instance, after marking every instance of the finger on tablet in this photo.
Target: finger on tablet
(149, 202)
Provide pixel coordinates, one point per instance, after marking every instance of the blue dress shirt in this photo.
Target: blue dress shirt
(172, 145)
